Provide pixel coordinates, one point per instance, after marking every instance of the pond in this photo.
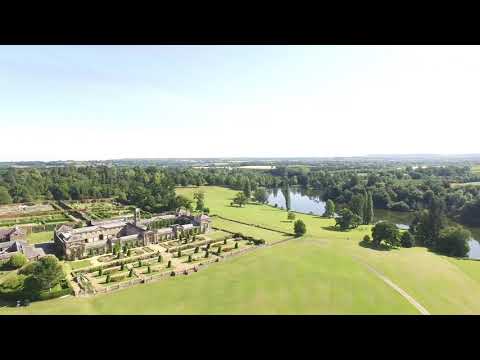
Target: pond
(310, 201)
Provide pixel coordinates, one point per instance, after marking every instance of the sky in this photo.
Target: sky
(111, 102)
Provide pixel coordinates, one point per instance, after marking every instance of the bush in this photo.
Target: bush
(149, 270)
(407, 240)
(130, 273)
(196, 250)
(291, 216)
(27, 269)
(17, 261)
(225, 241)
(453, 241)
(299, 228)
(219, 250)
(159, 258)
(400, 206)
(169, 265)
(236, 245)
(366, 238)
(108, 279)
(206, 254)
(189, 258)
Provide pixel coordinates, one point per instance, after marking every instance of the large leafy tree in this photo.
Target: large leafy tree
(240, 199)
(347, 219)
(199, 196)
(261, 195)
(453, 241)
(358, 204)
(5, 197)
(385, 231)
(329, 209)
(47, 272)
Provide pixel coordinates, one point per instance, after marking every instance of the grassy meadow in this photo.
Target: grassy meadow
(323, 272)
(40, 237)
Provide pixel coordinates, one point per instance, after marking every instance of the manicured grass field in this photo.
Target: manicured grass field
(258, 233)
(476, 169)
(323, 272)
(40, 237)
(79, 264)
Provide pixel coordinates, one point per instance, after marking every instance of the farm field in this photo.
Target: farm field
(476, 169)
(323, 272)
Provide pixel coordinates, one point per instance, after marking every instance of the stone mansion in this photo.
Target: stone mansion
(101, 236)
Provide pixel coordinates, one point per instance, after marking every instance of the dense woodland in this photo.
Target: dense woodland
(152, 188)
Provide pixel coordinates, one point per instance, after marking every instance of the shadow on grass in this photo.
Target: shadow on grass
(287, 221)
(371, 245)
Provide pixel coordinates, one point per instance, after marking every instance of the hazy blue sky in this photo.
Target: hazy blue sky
(100, 102)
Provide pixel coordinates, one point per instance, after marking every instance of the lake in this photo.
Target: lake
(310, 201)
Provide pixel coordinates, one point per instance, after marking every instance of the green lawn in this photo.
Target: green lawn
(320, 273)
(258, 233)
(74, 265)
(40, 237)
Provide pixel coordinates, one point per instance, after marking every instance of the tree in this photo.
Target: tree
(428, 223)
(299, 228)
(47, 272)
(453, 241)
(347, 219)
(199, 196)
(357, 205)
(130, 273)
(189, 258)
(17, 261)
(108, 279)
(368, 209)
(387, 232)
(5, 197)
(407, 240)
(236, 245)
(169, 265)
(183, 202)
(291, 216)
(240, 199)
(329, 209)
(159, 258)
(260, 195)
(247, 189)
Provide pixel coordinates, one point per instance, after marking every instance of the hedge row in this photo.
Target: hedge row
(116, 263)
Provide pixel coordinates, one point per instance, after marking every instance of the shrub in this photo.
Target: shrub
(179, 254)
(225, 241)
(169, 265)
(196, 250)
(27, 269)
(17, 261)
(159, 258)
(108, 279)
(453, 241)
(130, 274)
(366, 238)
(129, 252)
(236, 245)
(189, 258)
(407, 240)
(299, 228)
(122, 267)
(149, 269)
(219, 250)
(206, 254)
(291, 216)
(100, 272)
